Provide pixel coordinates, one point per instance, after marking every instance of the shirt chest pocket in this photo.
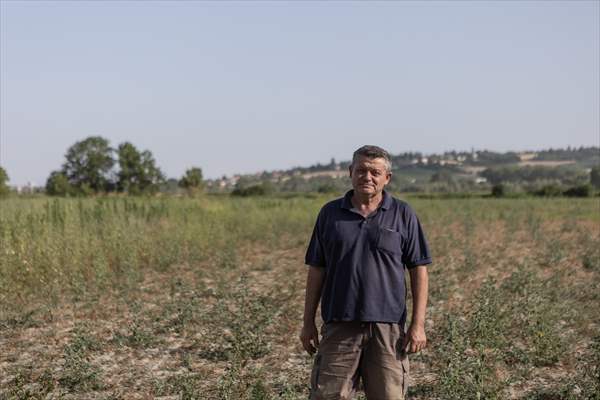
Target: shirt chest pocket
(389, 241)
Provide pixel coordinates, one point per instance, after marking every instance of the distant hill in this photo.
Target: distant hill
(451, 171)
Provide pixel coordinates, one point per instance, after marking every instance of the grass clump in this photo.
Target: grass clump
(78, 373)
(188, 386)
(137, 336)
(246, 315)
(25, 386)
(509, 326)
(240, 384)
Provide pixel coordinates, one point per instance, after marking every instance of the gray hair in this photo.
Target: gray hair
(373, 152)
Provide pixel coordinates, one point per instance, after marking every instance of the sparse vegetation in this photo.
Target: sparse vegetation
(201, 298)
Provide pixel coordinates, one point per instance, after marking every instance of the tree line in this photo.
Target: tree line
(568, 175)
(92, 166)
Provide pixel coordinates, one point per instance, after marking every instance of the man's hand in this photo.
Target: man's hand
(415, 339)
(309, 336)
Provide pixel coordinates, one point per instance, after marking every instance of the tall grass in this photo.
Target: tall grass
(56, 247)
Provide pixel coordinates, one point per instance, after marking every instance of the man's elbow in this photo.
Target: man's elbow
(418, 271)
(318, 273)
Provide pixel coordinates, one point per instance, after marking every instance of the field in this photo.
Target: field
(201, 298)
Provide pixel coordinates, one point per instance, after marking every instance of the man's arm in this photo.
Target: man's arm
(415, 338)
(314, 283)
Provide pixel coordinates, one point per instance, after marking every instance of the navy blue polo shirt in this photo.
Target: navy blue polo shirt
(365, 259)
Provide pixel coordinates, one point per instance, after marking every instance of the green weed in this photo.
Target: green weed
(188, 386)
(78, 374)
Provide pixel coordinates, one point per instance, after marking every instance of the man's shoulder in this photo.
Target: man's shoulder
(332, 206)
(400, 205)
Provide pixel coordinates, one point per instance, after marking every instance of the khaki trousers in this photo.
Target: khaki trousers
(349, 351)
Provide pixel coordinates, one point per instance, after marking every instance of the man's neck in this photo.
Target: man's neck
(366, 204)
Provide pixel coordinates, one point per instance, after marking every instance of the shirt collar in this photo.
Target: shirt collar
(386, 202)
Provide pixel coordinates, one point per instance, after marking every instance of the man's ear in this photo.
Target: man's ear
(350, 170)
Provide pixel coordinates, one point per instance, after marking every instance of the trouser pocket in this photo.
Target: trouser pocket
(402, 356)
(314, 376)
(405, 373)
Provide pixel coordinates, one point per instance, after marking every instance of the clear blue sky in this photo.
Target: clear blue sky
(246, 86)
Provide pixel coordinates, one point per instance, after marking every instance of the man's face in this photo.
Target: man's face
(369, 175)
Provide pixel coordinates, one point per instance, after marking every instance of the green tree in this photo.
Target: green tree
(261, 189)
(567, 175)
(595, 176)
(152, 176)
(551, 190)
(58, 184)
(442, 175)
(499, 190)
(192, 179)
(138, 172)
(88, 165)
(4, 190)
(579, 191)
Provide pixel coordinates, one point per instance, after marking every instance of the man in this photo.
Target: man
(357, 256)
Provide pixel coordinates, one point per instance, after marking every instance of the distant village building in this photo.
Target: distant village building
(451, 162)
(25, 189)
(527, 156)
(225, 182)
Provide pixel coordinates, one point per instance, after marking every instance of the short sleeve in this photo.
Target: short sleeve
(415, 250)
(315, 255)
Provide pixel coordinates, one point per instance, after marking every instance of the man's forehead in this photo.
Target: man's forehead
(371, 162)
